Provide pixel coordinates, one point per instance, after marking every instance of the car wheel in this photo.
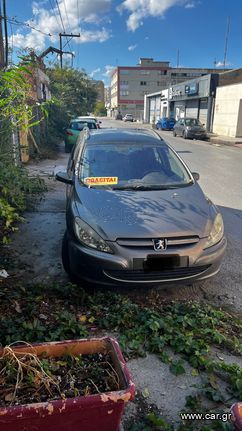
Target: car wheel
(184, 135)
(174, 133)
(65, 254)
(67, 148)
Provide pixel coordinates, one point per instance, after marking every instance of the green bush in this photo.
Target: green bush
(17, 192)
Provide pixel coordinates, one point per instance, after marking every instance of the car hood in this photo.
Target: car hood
(144, 214)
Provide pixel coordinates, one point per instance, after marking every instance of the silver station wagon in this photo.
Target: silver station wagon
(136, 214)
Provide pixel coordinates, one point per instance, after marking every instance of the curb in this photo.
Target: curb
(224, 142)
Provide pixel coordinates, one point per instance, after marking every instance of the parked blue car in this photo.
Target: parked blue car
(165, 123)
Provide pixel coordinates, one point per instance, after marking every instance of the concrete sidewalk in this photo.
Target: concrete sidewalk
(225, 140)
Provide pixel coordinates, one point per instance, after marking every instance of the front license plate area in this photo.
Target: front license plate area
(159, 263)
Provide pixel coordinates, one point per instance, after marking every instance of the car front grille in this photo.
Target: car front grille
(172, 242)
(145, 276)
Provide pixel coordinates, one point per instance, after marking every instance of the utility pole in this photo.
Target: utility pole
(5, 32)
(2, 62)
(65, 35)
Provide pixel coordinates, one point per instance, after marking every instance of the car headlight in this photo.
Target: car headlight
(217, 231)
(87, 236)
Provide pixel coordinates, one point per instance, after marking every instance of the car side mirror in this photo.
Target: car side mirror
(196, 176)
(63, 178)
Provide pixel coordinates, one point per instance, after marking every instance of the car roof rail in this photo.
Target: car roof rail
(152, 132)
(86, 132)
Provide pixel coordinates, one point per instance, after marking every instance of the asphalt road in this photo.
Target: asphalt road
(38, 246)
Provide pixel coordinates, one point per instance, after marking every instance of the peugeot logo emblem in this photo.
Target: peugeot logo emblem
(160, 244)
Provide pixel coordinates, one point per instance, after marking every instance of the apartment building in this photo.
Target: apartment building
(129, 85)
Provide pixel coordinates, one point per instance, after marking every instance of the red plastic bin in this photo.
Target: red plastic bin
(236, 410)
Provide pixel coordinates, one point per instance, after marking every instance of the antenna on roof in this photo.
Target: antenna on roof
(178, 58)
(226, 42)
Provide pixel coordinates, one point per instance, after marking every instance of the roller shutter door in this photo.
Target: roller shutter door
(203, 110)
(192, 108)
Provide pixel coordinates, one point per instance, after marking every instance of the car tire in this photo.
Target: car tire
(184, 135)
(174, 133)
(65, 254)
(67, 148)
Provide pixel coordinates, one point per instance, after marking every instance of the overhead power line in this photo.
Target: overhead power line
(53, 9)
(15, 21)
(67, 15)
(62, 23)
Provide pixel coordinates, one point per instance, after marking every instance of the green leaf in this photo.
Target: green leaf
(177, 367)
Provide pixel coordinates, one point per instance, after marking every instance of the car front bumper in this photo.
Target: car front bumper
(125, 268)
(194, 135)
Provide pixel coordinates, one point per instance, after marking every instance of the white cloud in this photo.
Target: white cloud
(141, 9)
(29, 41)
(94, 36)
(77, 15)
(221, 64)
(108, 70)
(190, 5)
(132, 47)
(94, 72)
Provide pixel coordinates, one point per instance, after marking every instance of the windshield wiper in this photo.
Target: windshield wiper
(142, 187)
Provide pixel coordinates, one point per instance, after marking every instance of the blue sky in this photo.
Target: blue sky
(119, 32)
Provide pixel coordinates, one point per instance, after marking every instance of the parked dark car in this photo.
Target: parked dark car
(165, 123)
(73, 130)
(189, 128)
(119, 117)
(136, 214)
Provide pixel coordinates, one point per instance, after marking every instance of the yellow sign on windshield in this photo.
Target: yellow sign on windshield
(100, 181)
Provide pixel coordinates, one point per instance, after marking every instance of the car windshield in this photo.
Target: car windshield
(132, 166)
(192, 122)
(79, 125)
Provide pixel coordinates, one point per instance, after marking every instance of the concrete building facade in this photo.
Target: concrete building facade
(194, 98)
(156, 105)
(228, 105)
(130, 85)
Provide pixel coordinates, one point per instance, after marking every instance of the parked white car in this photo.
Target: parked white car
(128, 117)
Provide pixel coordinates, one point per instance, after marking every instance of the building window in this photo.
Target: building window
(144, 72)
(162, 72)
(124, 82)
(142, 82)
(159, 83)
(124, 72)
(124, 93)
